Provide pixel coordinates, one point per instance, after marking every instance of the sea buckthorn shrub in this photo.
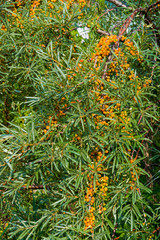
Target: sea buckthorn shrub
(79, 121)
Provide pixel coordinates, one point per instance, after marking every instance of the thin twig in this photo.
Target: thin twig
(109, 10)
(114, 231)
(34, 187)
(95, 62)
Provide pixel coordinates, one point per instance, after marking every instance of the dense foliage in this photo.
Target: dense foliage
(79, 146)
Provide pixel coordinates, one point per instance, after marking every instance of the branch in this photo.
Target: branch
(117, 3)
(156, 230)
(102, 32)
(153, 5)
(106, 66)
(130, 18)
(34, 187)
(127, 23)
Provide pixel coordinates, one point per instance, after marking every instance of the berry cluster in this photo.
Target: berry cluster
(97, 189)
(134, 175)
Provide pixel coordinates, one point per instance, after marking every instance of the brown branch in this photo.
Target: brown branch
(127, 23)
(153, 5)
(156, 230)
(106, 66)
(95, 62)
(130, 18)
(34, 187)
(117, 3)
(102, 32)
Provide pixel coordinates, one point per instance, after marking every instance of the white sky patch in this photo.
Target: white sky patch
(84, 32)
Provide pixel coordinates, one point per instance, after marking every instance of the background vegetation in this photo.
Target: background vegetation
(79, 146)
